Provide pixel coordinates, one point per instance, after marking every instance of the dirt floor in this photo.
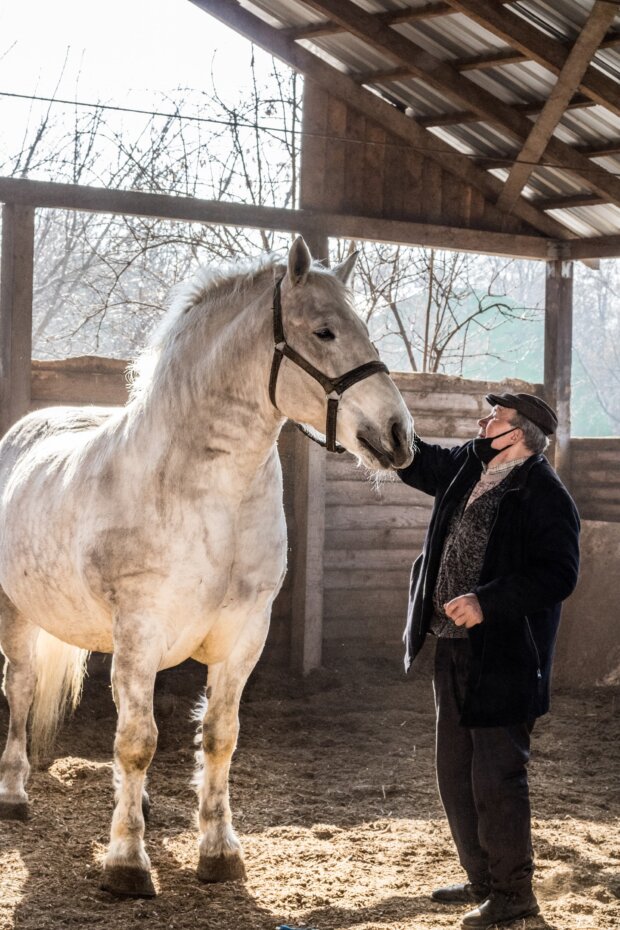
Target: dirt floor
(334, 798)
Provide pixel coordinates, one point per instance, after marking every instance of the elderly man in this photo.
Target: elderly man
(501, 554)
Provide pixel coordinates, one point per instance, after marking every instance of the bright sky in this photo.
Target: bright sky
(126, 52)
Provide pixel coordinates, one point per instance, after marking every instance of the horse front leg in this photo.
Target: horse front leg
(18, 639)
(126, 868)
(221, 856)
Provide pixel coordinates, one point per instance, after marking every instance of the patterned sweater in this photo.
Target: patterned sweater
(465, 545)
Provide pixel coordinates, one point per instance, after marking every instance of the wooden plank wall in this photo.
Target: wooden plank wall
(372, 534)
(595, 482)
(351, 165)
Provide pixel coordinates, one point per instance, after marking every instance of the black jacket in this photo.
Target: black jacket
(530, 566)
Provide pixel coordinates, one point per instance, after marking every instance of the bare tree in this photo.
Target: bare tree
(101, 281)
(433, 311)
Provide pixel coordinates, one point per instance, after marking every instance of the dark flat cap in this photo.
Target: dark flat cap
(530, 406)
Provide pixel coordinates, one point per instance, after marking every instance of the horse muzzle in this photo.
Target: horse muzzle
(393, 451)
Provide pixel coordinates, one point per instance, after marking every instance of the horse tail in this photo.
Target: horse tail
(60, 670)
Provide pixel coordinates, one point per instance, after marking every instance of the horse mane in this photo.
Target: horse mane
(210, 284)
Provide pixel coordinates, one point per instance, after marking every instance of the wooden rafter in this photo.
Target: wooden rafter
(446, 80)
(568, 81)
(508, 56)
(528, 109)
(389, 18)
(568, 202)
(612, 147)
(538, 46)
(375, 109)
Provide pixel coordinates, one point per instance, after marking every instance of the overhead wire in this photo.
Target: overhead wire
(506, 161)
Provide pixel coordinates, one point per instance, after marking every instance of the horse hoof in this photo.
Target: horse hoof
(127, 882)
(221, 868)
(14, 810)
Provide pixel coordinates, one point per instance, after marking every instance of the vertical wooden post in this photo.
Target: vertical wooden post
(307, 555)
(558, 356)
(318, 243)
(16, 312)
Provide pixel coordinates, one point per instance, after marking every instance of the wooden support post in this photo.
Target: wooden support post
(558, 356)
(16, 312)
(307, 555)
(318, 243)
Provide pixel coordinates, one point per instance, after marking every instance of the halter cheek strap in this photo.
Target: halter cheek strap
(334, 387)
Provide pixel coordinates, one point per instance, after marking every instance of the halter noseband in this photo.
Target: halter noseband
(334, 387)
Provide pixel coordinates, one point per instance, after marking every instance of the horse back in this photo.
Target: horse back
(41, 427)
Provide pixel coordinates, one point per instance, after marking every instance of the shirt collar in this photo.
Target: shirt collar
(505, 467)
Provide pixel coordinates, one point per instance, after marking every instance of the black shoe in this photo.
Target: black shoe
(461, 894)
(501, 908)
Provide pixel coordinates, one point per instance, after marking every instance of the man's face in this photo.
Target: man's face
(496, 422)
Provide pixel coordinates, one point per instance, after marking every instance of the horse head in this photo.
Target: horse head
(326, 369)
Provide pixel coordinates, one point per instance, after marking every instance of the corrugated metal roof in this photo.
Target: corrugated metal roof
(455, 37)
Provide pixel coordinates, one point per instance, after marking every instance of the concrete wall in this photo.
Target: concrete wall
(589, 641)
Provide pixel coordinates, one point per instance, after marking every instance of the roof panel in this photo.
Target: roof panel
(456, 36)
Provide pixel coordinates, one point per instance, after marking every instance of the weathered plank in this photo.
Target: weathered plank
(84, 380)
(387, 578)
(367, 628)
(361, 493)
(307, 555)
(15, 312)
(558, 357)
(374, 515)
(346, 603)
(371, 559)
(388, 537)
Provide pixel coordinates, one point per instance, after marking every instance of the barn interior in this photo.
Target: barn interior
(468, 125)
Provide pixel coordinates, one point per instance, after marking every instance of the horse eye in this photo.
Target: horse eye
(324, 333)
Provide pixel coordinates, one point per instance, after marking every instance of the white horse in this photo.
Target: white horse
(156, 531)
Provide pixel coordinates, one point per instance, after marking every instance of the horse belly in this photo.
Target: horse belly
(39, 574)
(242, 613)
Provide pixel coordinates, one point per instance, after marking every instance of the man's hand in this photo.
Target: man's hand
(464, 611)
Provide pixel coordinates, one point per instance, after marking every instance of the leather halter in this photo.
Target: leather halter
(334, 387)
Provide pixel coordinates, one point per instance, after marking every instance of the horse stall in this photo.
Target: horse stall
(332, 784)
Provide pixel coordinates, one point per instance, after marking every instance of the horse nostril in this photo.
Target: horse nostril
(397, 434)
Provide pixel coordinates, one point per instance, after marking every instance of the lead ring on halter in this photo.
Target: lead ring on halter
(334, 387)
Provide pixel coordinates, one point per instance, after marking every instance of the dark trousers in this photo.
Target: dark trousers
(482, 778)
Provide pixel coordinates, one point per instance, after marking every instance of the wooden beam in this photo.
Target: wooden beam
(558, 355)
(611, 147)
(579, 102)
(371, 106)
(15, 312)
(538, 46)
(446, 80)
(485, 62)
(307, 542)
(568, 202)
(313, 223)
(567, 83)
(595, 247)
(388, 18)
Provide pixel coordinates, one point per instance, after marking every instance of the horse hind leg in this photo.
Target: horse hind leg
(17, 640)
(220, 853)
(126, 868)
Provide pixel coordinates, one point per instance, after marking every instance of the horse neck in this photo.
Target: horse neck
(208, 403)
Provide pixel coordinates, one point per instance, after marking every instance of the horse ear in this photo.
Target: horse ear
(344, 271)
(299, 261)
